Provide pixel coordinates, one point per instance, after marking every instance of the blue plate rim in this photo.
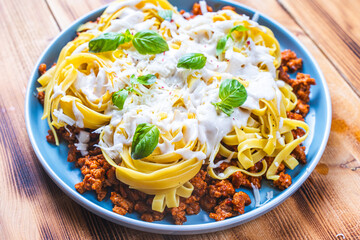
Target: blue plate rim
(180, 229)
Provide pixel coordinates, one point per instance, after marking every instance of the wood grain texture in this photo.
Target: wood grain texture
(33, 207)
(339, 22)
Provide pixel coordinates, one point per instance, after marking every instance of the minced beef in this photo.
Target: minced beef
(239, 201)
(223, 210)
(290, 61)
(283, 182)
(196, 10)
(221, 189)
(42, 68)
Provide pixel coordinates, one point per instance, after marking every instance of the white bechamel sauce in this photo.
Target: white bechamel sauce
(218, 164)
(83, 137)
(269, 196)
(197, 35)
(166, 146)
(78, 116)
(128, 19)
(186, 15)
(281, 122)
(280, 83)
(203, 6)
(80, 48)
(188, 154)
(62, 117)
(58, 91)
(93, 86)
(255, 17)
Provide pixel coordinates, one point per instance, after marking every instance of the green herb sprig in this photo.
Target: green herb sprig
(232, 94)
(145, 42)
(166, 14)
(220, 47)
(145, 140)
(119, 97)
(192, 61)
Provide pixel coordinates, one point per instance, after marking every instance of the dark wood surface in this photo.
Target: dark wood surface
(33, 207)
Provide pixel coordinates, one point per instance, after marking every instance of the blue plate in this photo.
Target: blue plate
(65, 175)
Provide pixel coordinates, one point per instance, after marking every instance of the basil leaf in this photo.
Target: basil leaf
(149, 42)
(192, 61)
(105, 42)
(119, 98)
(125, 37)
(232, 93)
(239, 28)
(228, 110)
(145, 140)
(220, 47)
(166, 14)
(144, 80)
(109, 41)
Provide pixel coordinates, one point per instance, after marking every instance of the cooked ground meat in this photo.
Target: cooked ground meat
(283, 182)
(281, 168)
(73, 153)
(192, 205)
(178, 213)
(121, 205)
(290, 61)
(41, 96)
(223, 210)
(147, 214)
(199, 183)
(296, 116)
(228, 8)
(299, 154)
(208, 203)
(153, 216)
(196, 10)
(94, 169)
(142, 207)
(284, 76)
(302, 108)
(301, 86)
(239, 201)
(221, 189)
(239, 179)
(231, 206)
(42, 68)
(50, 137)
(298, 132)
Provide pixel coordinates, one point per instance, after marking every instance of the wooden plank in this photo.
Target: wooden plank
(335, 20)
(66, 11)
(325, 206)
(22, 42)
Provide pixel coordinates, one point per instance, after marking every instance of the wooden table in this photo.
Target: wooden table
(33, 207)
